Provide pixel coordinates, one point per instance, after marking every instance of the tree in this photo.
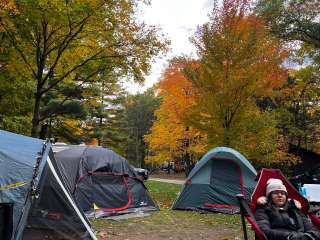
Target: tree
(15, 95)
(55, 42)
(170, 137)
(240, 62)
(109, 122)
(8, 5)
(298, 109)
(139, 110)
(15, 104)
(297, 22)
(292, 19)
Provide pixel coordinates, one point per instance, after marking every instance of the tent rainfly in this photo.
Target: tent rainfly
(216, 179)
(102, 182)
(34, 200)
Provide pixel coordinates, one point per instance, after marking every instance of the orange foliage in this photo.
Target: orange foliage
(177, 92)
(239, 62)
(92, 142)
(169, 130)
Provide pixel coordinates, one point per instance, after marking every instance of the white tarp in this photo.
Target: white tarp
(312, 192)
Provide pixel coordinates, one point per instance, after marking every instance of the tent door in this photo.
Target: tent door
(6, 220)
(226, 179)
(111, 192)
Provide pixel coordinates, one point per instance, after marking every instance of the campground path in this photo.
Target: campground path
(174, 181)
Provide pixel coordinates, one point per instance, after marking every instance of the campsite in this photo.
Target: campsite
(56, 211)
(62, 198)
(159, 119)
(64, 202)
(168, 224)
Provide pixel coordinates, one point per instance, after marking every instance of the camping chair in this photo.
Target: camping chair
(248, 209)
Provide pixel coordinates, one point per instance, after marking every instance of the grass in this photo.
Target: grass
(163, 193)
(170, 224)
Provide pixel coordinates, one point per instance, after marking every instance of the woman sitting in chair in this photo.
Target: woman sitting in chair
(280, 218)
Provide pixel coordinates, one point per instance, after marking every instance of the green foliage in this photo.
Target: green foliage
(15, 101)
(114, 132)
(297, 23)
(140, 110)
(72, 107)
(56, 43)
(298, 110)
(292, 19)
(18, 124)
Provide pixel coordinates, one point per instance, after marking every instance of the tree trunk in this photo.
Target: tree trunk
(43, 131)
(226, 137)
(142, 153)
(187, 161)
(36, 116)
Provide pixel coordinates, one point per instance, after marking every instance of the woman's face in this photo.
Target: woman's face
(278, 198)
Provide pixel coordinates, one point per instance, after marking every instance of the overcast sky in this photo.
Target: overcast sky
(178, 19)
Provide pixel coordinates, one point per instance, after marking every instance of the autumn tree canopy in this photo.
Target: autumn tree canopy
(239, 62)
(170, 136)
(297, 24)
(72, 42)
(292, 19)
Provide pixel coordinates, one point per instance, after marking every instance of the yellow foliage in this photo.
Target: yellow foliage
(75, 125)
(239, 63)
(9, 5)
(169, 132)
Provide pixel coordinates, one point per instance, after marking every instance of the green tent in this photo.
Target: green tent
(217, 178)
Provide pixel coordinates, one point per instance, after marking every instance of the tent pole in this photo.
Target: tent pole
(70, 199)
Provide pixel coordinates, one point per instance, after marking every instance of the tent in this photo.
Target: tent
(215, 180)
(34, 202)
(102, 182)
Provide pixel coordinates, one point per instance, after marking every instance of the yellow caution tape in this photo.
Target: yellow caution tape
(13, 185)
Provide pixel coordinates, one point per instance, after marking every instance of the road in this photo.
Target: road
(174, 181)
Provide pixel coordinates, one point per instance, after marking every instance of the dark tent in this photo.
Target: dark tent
(34, 202)
(103, 183)
(215, 180)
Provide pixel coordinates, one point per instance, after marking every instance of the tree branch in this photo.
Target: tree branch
(24, 58)
(86, 80)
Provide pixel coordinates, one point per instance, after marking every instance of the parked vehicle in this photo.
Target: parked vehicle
(309, 177)
(143, 173)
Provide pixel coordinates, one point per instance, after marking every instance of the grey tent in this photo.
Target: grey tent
(34, 202)
(102, 182)
(215, 180)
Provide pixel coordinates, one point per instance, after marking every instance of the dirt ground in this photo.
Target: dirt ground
(177, 229)
(171, 224)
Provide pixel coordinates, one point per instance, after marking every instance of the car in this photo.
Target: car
(143, 173)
